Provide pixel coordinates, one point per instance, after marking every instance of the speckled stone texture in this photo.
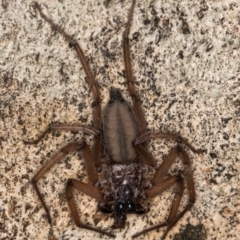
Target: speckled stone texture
(186, 62)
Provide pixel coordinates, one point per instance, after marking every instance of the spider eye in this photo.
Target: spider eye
(130, 206)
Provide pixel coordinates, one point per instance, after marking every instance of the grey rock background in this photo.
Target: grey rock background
(187, 68)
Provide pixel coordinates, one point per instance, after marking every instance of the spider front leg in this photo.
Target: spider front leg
(160, 185)
(90, 191)
(90, 167)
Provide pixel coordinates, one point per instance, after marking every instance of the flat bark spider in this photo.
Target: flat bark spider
(124, 186)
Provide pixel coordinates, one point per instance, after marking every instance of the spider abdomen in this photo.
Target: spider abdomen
(120, 129)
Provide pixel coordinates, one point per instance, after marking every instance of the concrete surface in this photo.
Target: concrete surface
(186, 61)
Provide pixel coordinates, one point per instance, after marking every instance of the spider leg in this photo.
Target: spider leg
(158, 189)
(171, 136)
(165, 166)
(129, 75)
(90, 191)
(146, 157)
(90, 167)
(90, 77)
(91, 81)
(160, 185)
(63, 127)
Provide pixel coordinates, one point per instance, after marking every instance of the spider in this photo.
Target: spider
(119, 180)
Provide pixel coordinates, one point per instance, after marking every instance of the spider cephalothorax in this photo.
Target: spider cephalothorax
(124, 190)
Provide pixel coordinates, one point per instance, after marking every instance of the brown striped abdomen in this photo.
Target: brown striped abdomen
(120, 129)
